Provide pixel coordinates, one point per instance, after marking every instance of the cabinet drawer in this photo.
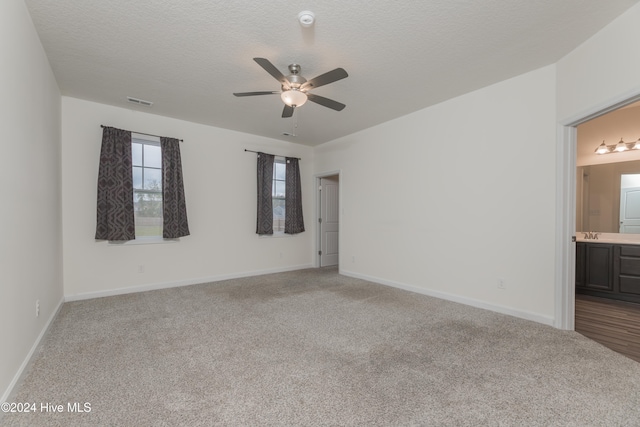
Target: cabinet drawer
(630, 250)
(630, 285)
(630, 266)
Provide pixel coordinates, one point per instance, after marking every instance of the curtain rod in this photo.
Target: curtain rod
(251, 151)
(141, 133)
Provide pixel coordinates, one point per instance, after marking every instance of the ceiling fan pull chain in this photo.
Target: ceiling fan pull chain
(294, 124)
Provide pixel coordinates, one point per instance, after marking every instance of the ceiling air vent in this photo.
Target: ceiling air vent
(139, 101)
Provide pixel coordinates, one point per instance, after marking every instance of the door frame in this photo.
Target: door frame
(566, 156)
(318, 237)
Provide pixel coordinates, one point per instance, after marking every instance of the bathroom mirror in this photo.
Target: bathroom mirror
(600, 191)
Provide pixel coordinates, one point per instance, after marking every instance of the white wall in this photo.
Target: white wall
(604, 68)
(220, 187)
(30, 247)
(451, 198)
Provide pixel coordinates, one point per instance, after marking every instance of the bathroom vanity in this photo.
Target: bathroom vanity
(608, 267)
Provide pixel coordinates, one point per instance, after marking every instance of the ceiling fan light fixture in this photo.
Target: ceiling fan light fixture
(295, 88)
(294, 98)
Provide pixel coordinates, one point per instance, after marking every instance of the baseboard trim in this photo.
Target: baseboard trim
(179, 283)
(546, 320)
(23, 367)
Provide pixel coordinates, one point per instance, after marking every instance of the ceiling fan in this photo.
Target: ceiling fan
(295, 88)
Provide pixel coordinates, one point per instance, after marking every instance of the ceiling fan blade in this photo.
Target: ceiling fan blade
(326, 102)
(271, 69)
(255, 93)
(326, 78)
(287, 112)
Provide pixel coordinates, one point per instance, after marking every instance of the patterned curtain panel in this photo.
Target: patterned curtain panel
(264, 222)
(293, 221)
(115, 219)
(174, 206)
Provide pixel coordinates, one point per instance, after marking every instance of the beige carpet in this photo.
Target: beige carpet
(313, 348)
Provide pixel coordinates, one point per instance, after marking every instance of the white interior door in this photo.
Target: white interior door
(630, 210)
(329, 221)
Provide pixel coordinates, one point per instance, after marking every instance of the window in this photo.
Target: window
(147, 187)
(278, 193)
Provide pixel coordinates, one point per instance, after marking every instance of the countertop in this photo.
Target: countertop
(611, 238)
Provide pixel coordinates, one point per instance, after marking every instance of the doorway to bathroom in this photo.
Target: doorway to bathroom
(568, 191)
(607, 202)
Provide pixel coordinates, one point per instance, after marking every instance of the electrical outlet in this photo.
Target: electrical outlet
(501, 284)
(141, 268)
(37, 308)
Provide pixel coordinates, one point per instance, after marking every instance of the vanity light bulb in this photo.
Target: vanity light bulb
(602, 149)
(621, 146)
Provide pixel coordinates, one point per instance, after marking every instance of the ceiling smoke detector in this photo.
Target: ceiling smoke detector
(306, 18)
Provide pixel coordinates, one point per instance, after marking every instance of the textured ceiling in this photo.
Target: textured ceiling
(189, 56)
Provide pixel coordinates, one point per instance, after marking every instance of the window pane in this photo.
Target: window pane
(148, 214)
(278, 215)
(137, 177)
(152, 156)
(279, 170)
(136, 152)
(278, 188)
(152, 179)
(147, 176)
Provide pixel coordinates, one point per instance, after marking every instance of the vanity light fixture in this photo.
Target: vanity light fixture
(618, 148)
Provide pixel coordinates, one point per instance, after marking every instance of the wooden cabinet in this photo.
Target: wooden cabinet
(581, 252)
(627, 272)
(608, 270)
(598, 267)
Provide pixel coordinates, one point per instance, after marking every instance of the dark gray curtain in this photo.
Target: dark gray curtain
(174, 206)
(115, 219)
(293, 221)
(264, 222)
